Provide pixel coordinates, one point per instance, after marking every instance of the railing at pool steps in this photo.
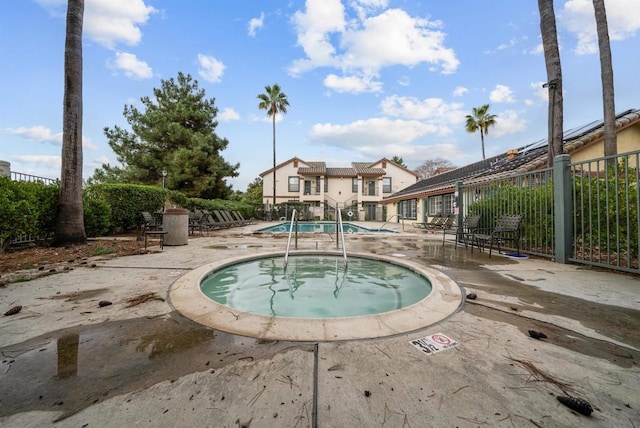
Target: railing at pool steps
(389, 219)
(340, 231)
(294, 220)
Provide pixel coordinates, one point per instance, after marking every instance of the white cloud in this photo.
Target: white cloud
(460, 91)
(623, 20)
(413, 153)
(431, 110)
(49, 161)
(501, 94)
(353, 84)
(536, 50)
(132, 66)
(363, 8)
(393, 38)
(540, 93)
(508, 122)
(404, 81)
(371, 132)
(211, 69)
(108, 22)
(228, 114)
(365, 44)
(511, 43)
(314, 27)
(41, 134)
(255, 24)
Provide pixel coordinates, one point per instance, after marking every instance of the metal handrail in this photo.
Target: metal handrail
(286, 253)
(389, 219)
(341, 230)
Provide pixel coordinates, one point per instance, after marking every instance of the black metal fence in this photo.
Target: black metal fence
(584, 212)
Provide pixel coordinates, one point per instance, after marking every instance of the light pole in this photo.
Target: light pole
(164, 175)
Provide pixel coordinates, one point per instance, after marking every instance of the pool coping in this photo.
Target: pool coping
(187, 298)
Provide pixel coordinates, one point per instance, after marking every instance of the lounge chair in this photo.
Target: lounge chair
(239, 216)
(435, 221)
(469, 226)
(223, 220)
(211, 222)
(507, 229)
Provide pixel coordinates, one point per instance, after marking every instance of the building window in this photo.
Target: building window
(448, 204)
(326, 184)
(435, 205)
(294, 184)
(386, 184)
(318, 184)
(354, 185)
(441, 204)
(407, 209)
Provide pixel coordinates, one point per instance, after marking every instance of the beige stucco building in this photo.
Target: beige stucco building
(358, 189)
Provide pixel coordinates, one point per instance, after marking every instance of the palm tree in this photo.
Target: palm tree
(70, 222)
(606, 70)
(480, 120)
(274, 102)
(554, 78)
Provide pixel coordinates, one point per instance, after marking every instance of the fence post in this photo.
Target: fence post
(563, 215)
(459, 203)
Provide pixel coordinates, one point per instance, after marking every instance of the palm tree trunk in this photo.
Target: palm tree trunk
(606, 70)
(274, 159)
(482, 140)
(554, 78)
(70, 222)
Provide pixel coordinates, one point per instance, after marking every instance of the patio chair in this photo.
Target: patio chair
(435, 221)
(150, 222)
(448, 225)
(194, 222)
(235, 216)
(507, 229)
(469, 226)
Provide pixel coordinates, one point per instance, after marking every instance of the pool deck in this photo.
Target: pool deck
(142, 363)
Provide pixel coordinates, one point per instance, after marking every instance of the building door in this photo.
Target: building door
(372, 188)
(370, 212)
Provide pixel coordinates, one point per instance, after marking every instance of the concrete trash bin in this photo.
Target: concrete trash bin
(175, 221)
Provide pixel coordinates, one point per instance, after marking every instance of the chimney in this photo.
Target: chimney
(512, 153)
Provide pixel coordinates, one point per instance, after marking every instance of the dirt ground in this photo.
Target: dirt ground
(33, 261)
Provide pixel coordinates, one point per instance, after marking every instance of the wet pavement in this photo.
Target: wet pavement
(68, 362)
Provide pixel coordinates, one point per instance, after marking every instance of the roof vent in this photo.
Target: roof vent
(512, 153)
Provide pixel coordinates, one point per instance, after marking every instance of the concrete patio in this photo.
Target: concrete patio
(67, 362)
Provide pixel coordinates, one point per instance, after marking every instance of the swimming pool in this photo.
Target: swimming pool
(188, 298)
(316, 286)
(321, 227)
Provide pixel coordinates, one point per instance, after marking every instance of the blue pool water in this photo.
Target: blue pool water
(316, 286)
(321, 227)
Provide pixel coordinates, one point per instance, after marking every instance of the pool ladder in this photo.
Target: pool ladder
(286, 253)
(294, 221)
(340, 230)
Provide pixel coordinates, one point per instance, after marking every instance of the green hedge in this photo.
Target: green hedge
(27, 208)
(30, 208)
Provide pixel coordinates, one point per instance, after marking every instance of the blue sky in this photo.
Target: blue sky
(366, 79)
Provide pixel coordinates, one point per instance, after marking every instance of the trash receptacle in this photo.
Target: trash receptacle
(175, 221)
